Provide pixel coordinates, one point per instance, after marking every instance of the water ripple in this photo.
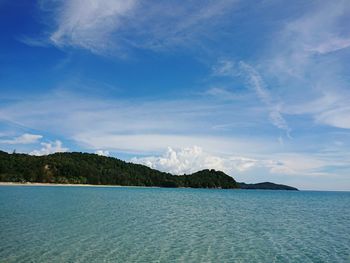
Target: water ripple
(87, 224)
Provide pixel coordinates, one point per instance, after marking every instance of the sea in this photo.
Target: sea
(133, 224)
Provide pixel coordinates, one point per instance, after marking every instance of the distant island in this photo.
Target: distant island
(86, 168)
(266, 186)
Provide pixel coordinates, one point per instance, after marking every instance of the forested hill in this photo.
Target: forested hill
(84, 168)
(266, 186)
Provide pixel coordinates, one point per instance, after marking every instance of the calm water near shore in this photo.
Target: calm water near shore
(96, 224)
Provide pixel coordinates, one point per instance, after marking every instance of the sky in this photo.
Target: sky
(257, 89)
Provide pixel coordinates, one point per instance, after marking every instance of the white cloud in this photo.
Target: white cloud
(106, 25)
(148, 127)
(302, 60)
(48, 148)
(34, 42)
(155, 143)
(145, 128)
(132, 126)
(300, 164)
(331, 45)
(225, 94)
(25, 138)
(102, 153)
(259, 85)
(89, 24)
(191, 159)
(337, 117)
(225, 67)
(320, 30)
(329, 108)
(317, 31)
(230, 69)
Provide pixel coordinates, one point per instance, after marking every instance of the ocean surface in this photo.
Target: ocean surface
(97, 224)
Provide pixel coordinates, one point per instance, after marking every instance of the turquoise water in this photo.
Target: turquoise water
(94, 224)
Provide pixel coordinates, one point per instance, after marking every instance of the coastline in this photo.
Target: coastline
(74, 185)
(116, 186)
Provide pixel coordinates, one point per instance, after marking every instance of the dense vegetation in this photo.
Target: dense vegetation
(84, 168)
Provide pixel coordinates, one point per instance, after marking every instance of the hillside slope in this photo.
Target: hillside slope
(84, 168)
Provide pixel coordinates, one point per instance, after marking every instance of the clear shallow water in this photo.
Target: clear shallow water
(94, 224)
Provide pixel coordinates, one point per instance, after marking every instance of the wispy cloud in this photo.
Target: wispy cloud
(333, 44)
(308, 56)
(115, 26)
(223, 93)
(25, 138)
(298, 164)
(34, 41)
(143, 143)
(319, 30)
(273, 106)
(150, 125)
(337, 117)
(229, 68)
(90, 24)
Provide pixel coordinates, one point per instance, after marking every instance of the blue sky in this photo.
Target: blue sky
(258, 89)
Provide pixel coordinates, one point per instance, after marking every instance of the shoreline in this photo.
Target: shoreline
(101, 185)
(74, 185)
(131, 186)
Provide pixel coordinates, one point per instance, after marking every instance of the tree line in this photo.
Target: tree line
(85, 168)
